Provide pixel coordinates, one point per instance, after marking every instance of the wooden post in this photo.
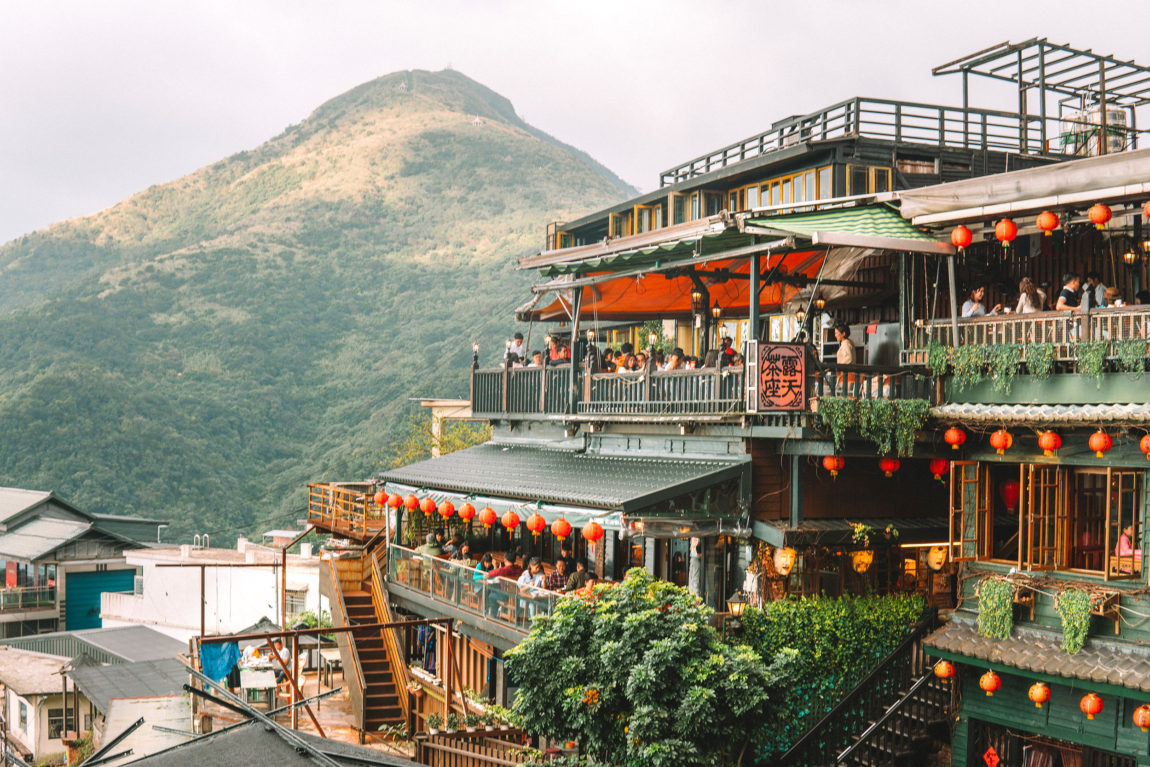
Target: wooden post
(446, 660)
(295, 675)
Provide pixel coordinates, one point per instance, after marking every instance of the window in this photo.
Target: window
(678, 208)
(648, 217)
(752, 197)
(619, 224)
(296, 601)
(22, 721)
(866, 180)
(696, 206)
(56, 724)
(712, 203)
(826, 186)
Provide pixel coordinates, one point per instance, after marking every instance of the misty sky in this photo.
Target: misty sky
(99, 100)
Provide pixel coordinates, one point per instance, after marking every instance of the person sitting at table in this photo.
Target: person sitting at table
(536, 359)
(973, 306)
(463, 555)
(532, 577)
(452, 546)
(1069, 299)
(1111, 297)
(485, 565)
(1030, 298)
(578, 578)
(675, 360)
(512, 569)
(556, 580)
(641, 361)
(285, 656)
(431, 548)
(620, 359)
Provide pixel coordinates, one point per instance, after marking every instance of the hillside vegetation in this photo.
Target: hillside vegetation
(202, 350)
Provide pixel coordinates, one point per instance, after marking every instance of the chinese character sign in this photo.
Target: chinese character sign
(782, 377)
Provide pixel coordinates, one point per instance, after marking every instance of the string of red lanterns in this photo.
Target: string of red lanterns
(1091, 703)
(888, 466)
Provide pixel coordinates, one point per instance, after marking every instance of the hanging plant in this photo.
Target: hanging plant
(1074, 607)
(1092, 359)
(968, 363)
(876, 423)
(1040, 360)
(937, 358)
(995, 608)
(861, 533)
(838, 414)
(1132, 356)
(1003, 361)
(910, 416)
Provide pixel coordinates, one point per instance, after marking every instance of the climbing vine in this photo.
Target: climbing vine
(995, 608)
(968, 363)
(1003, 361)
(937, 357)
(910, 416)
(889, 424)
(1040, 360)
(1092, 359)
(1132, 356)
(1074, 607)
(838, 414)
(876, 423)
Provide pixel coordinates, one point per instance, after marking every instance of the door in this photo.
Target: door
(82, 595)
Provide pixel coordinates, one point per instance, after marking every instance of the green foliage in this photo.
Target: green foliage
(638, 676)
(311, 620)
(1131, 356)
(836, 642)
(838, 414)
(968, 364)
(451, 723)
(1092, 358)
(995, 608)
(1040, 360)
(937, 358)
(1003, 361)
(861, 533)
(889, 424)
(876, 423)
(910, 417)
(417, 441)
(1074, 609)
(665, 343)
(435, 722)
(472, 721)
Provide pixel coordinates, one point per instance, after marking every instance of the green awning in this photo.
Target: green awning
(655, 255)
(870, 226)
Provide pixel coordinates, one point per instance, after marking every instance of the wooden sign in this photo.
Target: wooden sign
(777, 377)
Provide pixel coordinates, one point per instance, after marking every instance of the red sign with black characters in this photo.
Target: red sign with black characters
(781, 377)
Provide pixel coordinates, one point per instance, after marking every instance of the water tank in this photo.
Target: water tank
(1080, 129)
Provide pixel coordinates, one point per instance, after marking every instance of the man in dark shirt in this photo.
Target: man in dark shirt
(512, 568)
(1068, 299)
(578, 578)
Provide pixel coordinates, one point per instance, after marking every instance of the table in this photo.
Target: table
(331, 660)
(257, 681)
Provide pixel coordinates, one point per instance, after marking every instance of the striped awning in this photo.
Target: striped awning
(867, 226)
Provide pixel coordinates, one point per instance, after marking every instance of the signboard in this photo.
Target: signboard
(776, 377)
(991, 757)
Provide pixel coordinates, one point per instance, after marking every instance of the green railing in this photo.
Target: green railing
(28, 598)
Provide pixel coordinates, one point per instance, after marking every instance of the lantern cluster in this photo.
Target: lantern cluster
(1039, 693)
(1005, 230)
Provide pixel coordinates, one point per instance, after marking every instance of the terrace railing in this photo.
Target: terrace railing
(345, 509)
(27, 598)
(706, 391)
(531, 391)
(872, 382)
(902, 121)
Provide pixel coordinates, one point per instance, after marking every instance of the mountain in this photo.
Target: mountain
(203, 349)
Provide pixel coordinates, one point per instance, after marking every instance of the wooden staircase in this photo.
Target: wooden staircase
(381, 700)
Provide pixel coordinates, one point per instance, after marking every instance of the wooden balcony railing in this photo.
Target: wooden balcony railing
(706, 391)
(344, 509)
(872, 382)
(331, 583)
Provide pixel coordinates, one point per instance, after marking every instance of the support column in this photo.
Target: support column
(753, 301)
(953, 300)
(572, 388)
(796, 491)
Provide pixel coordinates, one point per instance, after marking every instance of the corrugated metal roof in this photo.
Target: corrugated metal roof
(118, 644)
(1044, 414)
(14, 500)
(839, 531)
(38, 537)
(580, 479)
(140, 679)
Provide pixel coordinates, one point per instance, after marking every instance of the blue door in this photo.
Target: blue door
(82, 595)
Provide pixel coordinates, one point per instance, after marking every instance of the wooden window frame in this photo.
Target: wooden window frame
(1121, 567)
(971, 512)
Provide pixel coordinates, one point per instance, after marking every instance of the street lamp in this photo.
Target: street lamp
(652, 339)
(475, 355)
(1130, 257)
(696, 301)
(736, 603)
(717, 311)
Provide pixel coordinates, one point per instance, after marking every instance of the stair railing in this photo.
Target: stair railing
(399, 671)
(867, 702)
(927, 696)
(353, 681)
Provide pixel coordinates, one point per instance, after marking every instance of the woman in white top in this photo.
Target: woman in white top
(846, 353)
(1030, 299)
(973, 306)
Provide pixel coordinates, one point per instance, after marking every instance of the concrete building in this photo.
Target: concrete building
(34, 704)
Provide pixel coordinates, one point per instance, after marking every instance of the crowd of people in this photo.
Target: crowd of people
(624, 360)
(1075, 296)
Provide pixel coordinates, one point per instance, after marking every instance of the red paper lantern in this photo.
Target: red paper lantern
(1001, 440)
(395, 501)
(954, 437)
(411, 503)
(833, 463)
(536, 524)
(1146, 210)
(945, 671)
(1006, 230)
(510, 520)
(380, 498)
(1099, 214)
(446, 509)
(990, 683)
(466, 512)
(427, 506)
(561, 528)
(487, 517)
(1100, 442)
(1039, 693)
(1144, 446)
(1142, 714)
(938, 467)
(1047, 222)
(888, 465)
(1009, 491)
(1049, 441)
(1091, 704)
(961, 237)
(593, 532)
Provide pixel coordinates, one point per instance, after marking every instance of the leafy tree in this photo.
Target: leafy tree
(417, 442)
(636, 674)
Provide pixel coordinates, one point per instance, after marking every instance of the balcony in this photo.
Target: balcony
(345, 509)
(28, 598)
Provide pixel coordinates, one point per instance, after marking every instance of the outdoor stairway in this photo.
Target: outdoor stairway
(381, 705)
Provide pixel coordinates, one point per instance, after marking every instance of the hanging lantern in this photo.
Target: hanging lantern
(380, 498)
(487, 517)
(990, 683)
(961, 237)
(561, 528)
(593, 533)
(954, 437)
(510, 520)
(1009, 491)
(1146, 210)
(1039, 693)
(938, 467)
(945, 671)
(411, 503)
(1144, 446)
(862, 560)
(466, 512)
(446, 509)
(1100, 442)
(888, 466)
(1049, 441)
(1091, 704)
(1142, 714)
(1001, 441)
(1006, 230)
(536, 524)
(427, 506)
(395, 501)
(1047, 222)
(1099, 214)
(833, 463)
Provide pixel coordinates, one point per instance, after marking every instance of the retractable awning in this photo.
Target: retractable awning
(866, 226)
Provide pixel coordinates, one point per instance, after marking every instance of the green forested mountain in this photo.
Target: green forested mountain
(203, 349)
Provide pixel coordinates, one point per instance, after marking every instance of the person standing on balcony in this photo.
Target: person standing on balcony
(1096, 288)
(1069, 299)
(516, 346)
(973, 306)
(846, 353)
(1030, 299)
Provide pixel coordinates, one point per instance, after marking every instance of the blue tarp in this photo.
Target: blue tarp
(218, 660)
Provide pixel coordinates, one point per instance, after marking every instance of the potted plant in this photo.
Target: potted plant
(451, 724)
(434, 723)
(471, 722)
(416, 689)
(489, 720)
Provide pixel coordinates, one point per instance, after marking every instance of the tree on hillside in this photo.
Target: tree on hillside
(636, 674)
(416, 443)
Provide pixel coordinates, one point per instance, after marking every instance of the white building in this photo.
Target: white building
(34, 703)
(167, 595)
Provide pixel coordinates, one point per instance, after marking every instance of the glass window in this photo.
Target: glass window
(23, 718)
(56, 725)
(775, 198)
(826, 187)
(787, 191)
(858, 180)
(296, 601)
(752, 197)
(881, 180)
(680, 211)
(696, 206)
(809, 185)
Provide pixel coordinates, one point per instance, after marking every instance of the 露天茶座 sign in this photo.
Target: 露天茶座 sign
(776, 377)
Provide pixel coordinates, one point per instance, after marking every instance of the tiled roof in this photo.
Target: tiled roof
(14, 500)
(114, 644)
(38, 537)
(1102, 662)
(141, 679)
(1084, 414)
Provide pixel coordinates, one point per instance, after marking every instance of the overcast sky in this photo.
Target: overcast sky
(102, 99)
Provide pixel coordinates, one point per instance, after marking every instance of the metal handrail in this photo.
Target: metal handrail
(923, 681)
(357, 686)
(27, 597)
(399, 671)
